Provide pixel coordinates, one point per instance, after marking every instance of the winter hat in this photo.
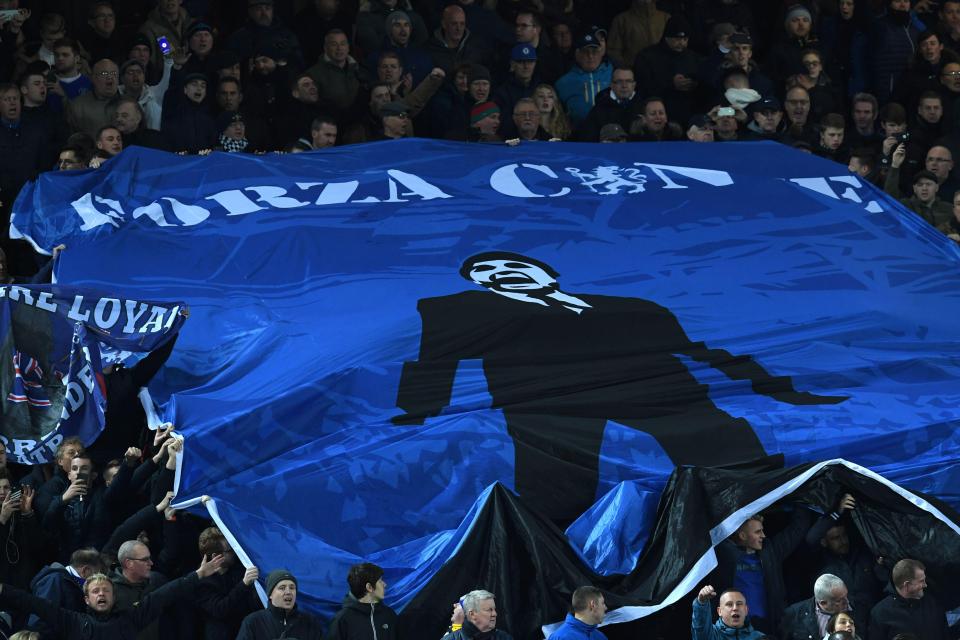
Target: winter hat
(395, 16)
(481, 110)
(796, 10)
(477, 72)
(276, 577)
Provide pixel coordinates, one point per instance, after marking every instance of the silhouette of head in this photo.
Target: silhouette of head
(504, 271)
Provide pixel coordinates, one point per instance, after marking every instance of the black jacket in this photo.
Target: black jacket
(800, 621)
(609, 111)
(362, 621)
(224, 601)
(775, 550)
(272, 623)
(56, 585)
(468, 632)
(71, 625)
(894, 614)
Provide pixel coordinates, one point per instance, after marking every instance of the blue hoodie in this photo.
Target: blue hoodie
(578, 89)
(574, 629)
(703, 630)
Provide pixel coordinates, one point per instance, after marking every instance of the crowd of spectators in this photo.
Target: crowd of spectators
(93, 548)
(867, 83)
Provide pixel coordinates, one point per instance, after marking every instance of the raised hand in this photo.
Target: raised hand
(251, 575)
(705, 594)
(211, 566)
(26, 502)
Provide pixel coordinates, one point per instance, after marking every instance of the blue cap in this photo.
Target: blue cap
(523, 52)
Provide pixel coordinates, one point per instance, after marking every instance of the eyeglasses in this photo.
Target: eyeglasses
(148, 559)
(107, 74)
(950, 74)
(527, 114)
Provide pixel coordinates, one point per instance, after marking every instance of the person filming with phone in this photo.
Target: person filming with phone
(79, 516)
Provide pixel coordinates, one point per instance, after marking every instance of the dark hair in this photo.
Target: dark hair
(87, 557)
(9, 86)
(648, 101)
(97, 137)
(893, 112)
(67, 42)
(833, 121)
(389, 54)
(319, 121)
(211, 541)
(361, 575)
(227, 79)
(867, 157)
(467, 265)
(535, 17)
(582, 598)
(832, 622)
(927, 95)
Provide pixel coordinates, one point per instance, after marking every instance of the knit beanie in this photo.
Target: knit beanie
(276, 577)
(481, 110)
(797, 10)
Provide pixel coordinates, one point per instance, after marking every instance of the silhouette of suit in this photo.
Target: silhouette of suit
(558, 375)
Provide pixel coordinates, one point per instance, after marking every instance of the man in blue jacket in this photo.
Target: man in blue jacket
(734, 623)
(589, 609)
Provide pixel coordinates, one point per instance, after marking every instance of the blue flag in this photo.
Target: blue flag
(381, 332)
(52, 345)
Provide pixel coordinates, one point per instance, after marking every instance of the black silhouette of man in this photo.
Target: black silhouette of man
(560, 365)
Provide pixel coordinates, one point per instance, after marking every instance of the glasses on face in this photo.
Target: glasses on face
(527, 114)
(147, 559)
(951, 74)
(107, 74)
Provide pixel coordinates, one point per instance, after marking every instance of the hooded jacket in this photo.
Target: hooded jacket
(579, 89)
(363, 621)
(57, 585)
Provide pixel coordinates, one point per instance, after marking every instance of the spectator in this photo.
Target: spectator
(701, 129)
(670, 69)
(652, 123)
(129, 119)
(281, 618)
(103, 623)
(797, 113)
(825, 97)
(190, 127)
(168, 20)
(939, 162)
(264, 28)
(578, 88)
(226, 597)
(413, 59)
(336, 74)
(372, 27)
(864, 112)
(66, 64)
(634, 30)
(620, 105)
(907, 609)
(740, 57)
(299, 110)
(72, 157)
(27, 147)
(484, 123)
(754, 566)
(949, 23)
(923, 74)
(864, 163)
(844, 37)
(553, 119)
(20, 530)
(526, 121)
(35, 108)
(924, 201)
(808, 618)
(734, 619)
(316, 19)
(893, 40)
(528, 29)
(726, 126)
(610, 133)
(62, 585)
(231, 98)
(522, 79)
(78, 517)
(453, 43)
(588, 610)
(100, 36)
(767, 119)
(233, 133)
(364, 614)
(370, 126)
(928, 125)
(784, 57)
(109, 140)
(323, 133)
(133, 83)
(133, 580)
(830, 144)
(480, 618)
(843, 622)
(66, 451)
(92, 110)
(951, 228)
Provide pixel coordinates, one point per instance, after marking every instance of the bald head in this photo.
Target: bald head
(454, 24)
(105, 77)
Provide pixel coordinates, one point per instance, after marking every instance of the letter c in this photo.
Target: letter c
(506, 181)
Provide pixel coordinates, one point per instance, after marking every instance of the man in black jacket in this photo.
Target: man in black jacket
(480, 619)
(226, 597)
(907, 609)
(807, 619)
(281, 618)
(102, 622)
(364, 615)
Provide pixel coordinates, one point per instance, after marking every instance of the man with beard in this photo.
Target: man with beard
(128, 118)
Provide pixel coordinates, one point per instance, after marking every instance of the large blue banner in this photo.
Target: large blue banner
(381, 332)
